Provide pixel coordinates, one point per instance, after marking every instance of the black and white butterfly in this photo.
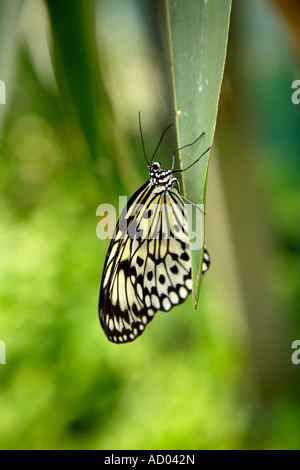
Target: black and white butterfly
(148, 263)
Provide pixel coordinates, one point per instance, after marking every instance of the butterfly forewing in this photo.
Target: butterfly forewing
(164, 278)
(122, 314)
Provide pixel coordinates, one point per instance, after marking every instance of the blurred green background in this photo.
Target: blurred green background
(221, 377)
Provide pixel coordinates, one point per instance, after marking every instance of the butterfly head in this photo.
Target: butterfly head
(154, 168)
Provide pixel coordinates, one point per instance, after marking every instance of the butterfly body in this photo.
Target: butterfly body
(148, 264)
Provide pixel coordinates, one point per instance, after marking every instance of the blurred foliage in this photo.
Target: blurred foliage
(220, 377)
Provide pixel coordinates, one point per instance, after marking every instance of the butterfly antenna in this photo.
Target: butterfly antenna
(161, 140)
(142, 138)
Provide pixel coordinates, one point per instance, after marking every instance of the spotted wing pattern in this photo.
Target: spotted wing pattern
(148, 265)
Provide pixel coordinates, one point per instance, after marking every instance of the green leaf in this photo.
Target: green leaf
(198, 32)
(78, 70)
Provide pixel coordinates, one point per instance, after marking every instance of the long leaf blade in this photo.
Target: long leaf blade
(198, 32)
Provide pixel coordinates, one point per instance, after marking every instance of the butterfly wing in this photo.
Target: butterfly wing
(123, 315)
(148, 265)
(164, 278)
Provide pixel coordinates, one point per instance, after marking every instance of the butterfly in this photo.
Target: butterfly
(148, 263)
